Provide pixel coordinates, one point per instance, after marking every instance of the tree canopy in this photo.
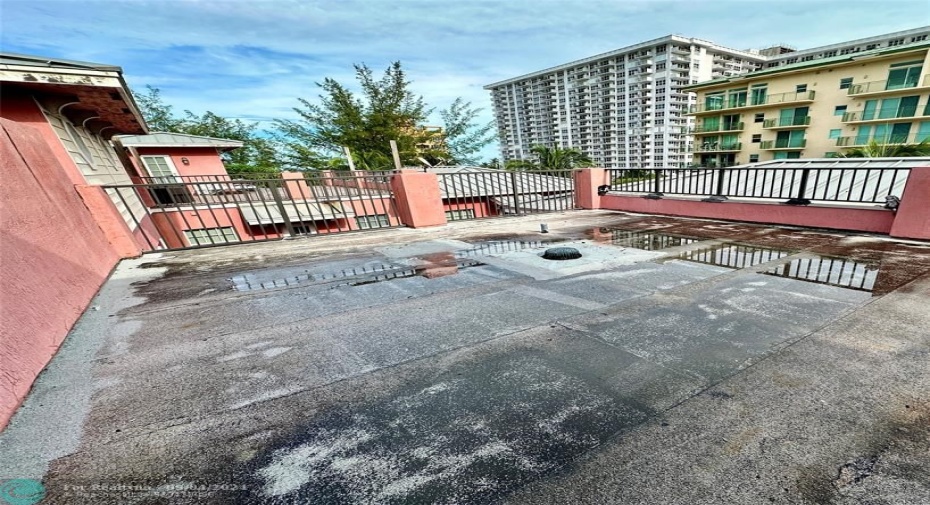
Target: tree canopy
(384, 110)
(464, 137)
(257, 155)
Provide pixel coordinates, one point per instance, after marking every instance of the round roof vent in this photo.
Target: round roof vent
(561, 253)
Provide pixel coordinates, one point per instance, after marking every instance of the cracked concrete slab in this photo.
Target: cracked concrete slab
(744, 364)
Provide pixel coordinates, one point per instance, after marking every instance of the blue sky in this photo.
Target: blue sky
(250, 59)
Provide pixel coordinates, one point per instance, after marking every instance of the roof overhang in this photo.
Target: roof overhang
(88, 94)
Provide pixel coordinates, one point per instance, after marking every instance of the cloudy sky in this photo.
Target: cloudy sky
(250, 59)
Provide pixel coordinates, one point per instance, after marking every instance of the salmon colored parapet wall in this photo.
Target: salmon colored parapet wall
(911, 220)
(54, 259)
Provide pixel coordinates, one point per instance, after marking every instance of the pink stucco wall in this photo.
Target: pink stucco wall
(53, 255)
(419, 201)
(872, 220)
(913, 216)
(201, 160)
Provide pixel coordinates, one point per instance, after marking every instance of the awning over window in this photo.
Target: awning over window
(258, 213)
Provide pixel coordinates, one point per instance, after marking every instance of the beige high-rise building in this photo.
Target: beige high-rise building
(815, 108)
(629, 107)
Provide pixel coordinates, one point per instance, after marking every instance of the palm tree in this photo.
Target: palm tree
(876, 150)
(551, 158)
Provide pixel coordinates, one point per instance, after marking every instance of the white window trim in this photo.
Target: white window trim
(168, 163)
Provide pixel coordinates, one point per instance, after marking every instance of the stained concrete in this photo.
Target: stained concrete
(679, 361)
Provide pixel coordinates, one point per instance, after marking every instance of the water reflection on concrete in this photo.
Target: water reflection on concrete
(838, 272)
(733, 255)
(645, 240)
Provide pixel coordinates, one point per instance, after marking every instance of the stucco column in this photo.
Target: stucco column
(912, 219)
(109, 220)
(296, 185)
(419, 201)
(586, 182)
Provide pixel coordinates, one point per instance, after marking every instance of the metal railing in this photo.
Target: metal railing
(911, 138)
(797, 185)
(712, 147)
(883, 113)
(779, 98)
(783, 144)
(786, 122)
(485, 194)
(880, 86)
(181, 212)
(731, 127)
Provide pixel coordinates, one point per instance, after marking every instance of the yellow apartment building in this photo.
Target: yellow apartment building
(814, 109)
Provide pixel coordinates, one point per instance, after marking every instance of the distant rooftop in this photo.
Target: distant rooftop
(165, 139)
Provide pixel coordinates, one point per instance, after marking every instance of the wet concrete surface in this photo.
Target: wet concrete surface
(678, 361)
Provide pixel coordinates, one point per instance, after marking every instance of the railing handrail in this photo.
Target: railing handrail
(800, 185)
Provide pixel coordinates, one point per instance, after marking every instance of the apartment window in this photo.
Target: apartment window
(829, 54)
(846, 82)
(759, 117)
(373, 221)
(753, 158)
(904, 75)
(839, 110)
(160, 168)
(835, 133)
(660, 66)
(207, 236)
(458, 215)
(831, 154)
(758, 94)
(757, 138)
(800, 88)
(807, 58)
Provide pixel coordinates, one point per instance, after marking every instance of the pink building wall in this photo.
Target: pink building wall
(54, 256)
(201, 160)
(911, 220)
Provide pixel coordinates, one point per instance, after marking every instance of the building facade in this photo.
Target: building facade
(624, 108)
(628, 108)
(817, 108)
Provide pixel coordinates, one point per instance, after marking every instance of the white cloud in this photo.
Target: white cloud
(251, 58)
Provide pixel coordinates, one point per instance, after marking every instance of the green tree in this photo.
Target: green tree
(385, 109)
(551, 158)
(257, 154)
(464, 137)
(875, 149)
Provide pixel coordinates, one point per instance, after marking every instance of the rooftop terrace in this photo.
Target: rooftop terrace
(679, 361)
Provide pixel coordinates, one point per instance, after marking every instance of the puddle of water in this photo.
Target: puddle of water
(734, 256)
(502, 246)
(249, 282)
(837, 272)
(645, 240)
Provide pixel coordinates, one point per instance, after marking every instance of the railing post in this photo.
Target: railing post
(277, 200)
(656, 185)
(718, 195)
(516, 200)
(799, 199)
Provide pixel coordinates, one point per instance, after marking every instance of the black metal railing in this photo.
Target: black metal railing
(181, 212)
(798, 185)
(494, 193)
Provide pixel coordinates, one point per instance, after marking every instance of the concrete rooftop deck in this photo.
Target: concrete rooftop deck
(698, 362)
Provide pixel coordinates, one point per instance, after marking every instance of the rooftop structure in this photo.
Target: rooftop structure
(457, 365)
